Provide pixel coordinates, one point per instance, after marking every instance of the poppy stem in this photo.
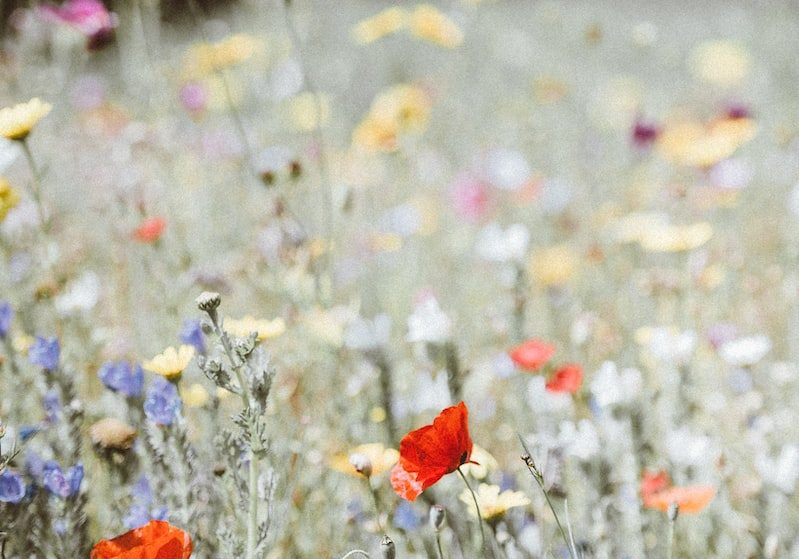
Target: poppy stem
(670, 542)
(477, 507)
(354, 551)
(376, 501)
(438, 545)
(539, 478)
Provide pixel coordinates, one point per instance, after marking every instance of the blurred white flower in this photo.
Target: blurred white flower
(429, 323)
(745, 351)
(582, 327)
(555, 196)
(530, 539)
(668, 345)
(404, 220)
(364, 334)
(9, 151)
(497, 245)
(506, 169)
(430, 393)
(503, 365)
(580, 441)
(80, 295)
(686, 448)
(610, 388)
(783, 471)
(23, 218)
(732, 174)
(286, 79)
(540, 399)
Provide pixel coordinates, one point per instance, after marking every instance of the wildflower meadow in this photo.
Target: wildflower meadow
(367, 279)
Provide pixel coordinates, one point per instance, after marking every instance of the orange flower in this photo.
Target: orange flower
(568, 378)
(658, 493)
(150, 230)
(155, 540)
(532, 354)
(429, 453)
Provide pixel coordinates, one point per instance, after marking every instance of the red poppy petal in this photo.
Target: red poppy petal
(405, 483)
(568, 378)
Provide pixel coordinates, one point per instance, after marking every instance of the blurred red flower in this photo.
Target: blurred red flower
(532, 354)
(155, 540)
(568, 378)
(150, 230)
(429, 453)
(652, 482)
(658, 493)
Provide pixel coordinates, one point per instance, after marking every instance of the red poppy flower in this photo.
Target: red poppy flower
(532, 354)
(652, 482)
(690, 499)
(150, 230)
(568, 378)
(429, 453)
(155, 540)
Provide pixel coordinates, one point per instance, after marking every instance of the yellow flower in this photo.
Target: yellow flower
(493, 503)
(303, 111)
(553, 266)
(206, 58)
(376, 27)
(22, 343)
(381, 458)
(691, 143)
(17, 122)
(171, 363)
(676, 238)
(486, 463)
(428, 23)
(722, 63)
(264, 329)
(400, 109)
(9, 198)
(375, 136)
(194, 396)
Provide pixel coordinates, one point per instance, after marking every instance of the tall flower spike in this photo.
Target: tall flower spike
(431, 452)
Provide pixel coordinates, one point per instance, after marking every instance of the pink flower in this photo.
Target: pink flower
(470, 197)
(194, 97)
(89, 17)
(150, 230)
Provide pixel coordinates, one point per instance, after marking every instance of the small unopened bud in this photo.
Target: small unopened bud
(361, 463)
(208, 301)
(437, 517)
(673, 512)
(387, 549)
(206, 327)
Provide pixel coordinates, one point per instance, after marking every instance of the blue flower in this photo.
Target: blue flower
(162, 402)
(45, 353)
(122, 377)
(139, 515)
(6, 314)
(192, 334)
(62, 484)
(52, 406)
(12, 487)
(405, 517)
(26, 432)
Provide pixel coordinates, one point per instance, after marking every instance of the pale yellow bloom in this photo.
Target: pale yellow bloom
(376, 27)
(398, 110)
(264, 329)
(493, 503)
(303, 110)
(206, 58)
(692, 143)
(676, 238)
(553, 266)
(17, 122)
(375, 136)
(22, 343)
(9, 198)
(171, 363)
(720, 62)
(327, 325)
(428, 23)
(194, 396)
(486, 463)
(381, 458)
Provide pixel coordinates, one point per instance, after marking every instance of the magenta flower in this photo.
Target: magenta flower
(90, 17)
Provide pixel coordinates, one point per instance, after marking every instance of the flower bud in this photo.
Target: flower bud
(437, 517)
(387, 549)
(674, 510)
(361, 463)
(208, 301)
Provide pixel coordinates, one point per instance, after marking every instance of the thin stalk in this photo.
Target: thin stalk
(477, 507)
(438, 545)
(354, 551)
(252, 519)
(519, 303)
(569, 526)
(36, 185)
(245, 392)
(376, 501)
(670, 550)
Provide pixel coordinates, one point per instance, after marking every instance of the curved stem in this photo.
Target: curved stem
(477, 507)
(354, 551)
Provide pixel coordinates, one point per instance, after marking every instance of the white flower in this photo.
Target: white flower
(610, 388)
(497, 245)
(668, 345)
(581, 441)
(783, 471)
(80, 295)
(542, 400)
(9, 151)
(364, 334)
(686, 448)
(431, 394)
(745, 351)
(428, 323)
(506, 169)
(732, 174)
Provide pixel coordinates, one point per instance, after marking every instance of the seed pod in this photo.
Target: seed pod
(437, 517)
(387, 549)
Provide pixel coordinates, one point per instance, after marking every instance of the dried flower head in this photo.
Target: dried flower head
(111, 433)
(361, 463)
(18, 121)
(208, 301)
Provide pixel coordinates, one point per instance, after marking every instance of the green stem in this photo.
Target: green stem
(438, 545)
(477, 507)
(670, 550)
(36, 185)
(376, 501)
(252, 520)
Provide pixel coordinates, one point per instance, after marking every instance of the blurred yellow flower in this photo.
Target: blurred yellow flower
(17, 122)
(206, 58)
(692, 143)
(720, 62)
(376, 27)
(381, 458)
(9, 198)
(492, 503)
(374, 136)
(264, 329)
(428, 23)
(486, 463)
(553, 266)
(632, 227)
(171, 363)
(195, 395)
(398, 110)
(385, 242)
(327, 325)
(676, 238)
(303, 110)
(21, 343)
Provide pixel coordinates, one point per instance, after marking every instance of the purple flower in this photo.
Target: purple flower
(122, 377)
(60, 483)
(12, 487)
(6, 314)
(162, 402)
(405, 516)
(45, 352)
(192, 334)
(52, 406)
(89, 17)
(140, 512)
(194, 97)
(644, 133)
(34, 464)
